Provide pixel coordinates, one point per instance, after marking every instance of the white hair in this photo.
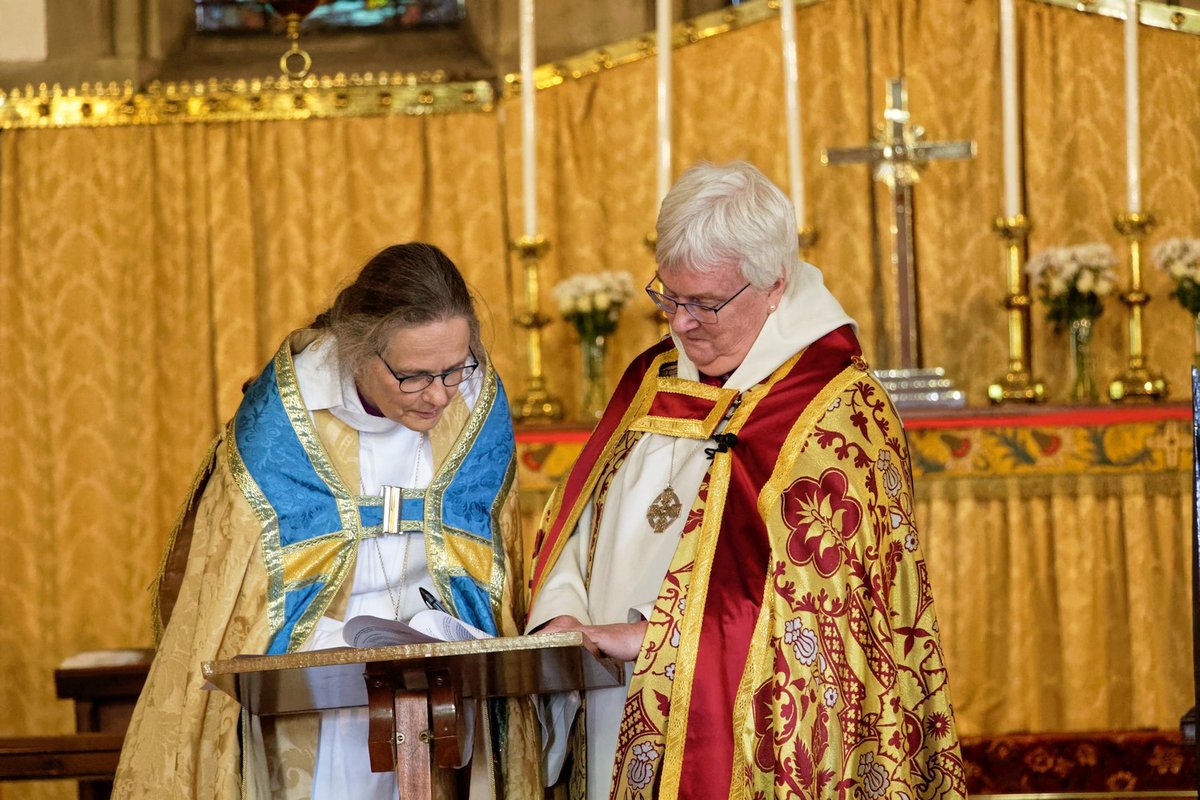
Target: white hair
(722, 214)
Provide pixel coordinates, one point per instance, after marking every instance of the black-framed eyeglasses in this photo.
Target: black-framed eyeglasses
(706, 315)
(419, 381)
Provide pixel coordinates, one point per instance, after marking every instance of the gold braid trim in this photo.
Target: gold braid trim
(693, 620)
(435, 530)
(720, 397)
(189, 504)
(637, 408)
(768, 498)
(347, 505)
(109, 105)
(745, 691)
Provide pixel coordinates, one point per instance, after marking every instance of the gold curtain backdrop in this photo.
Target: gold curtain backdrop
(146, 272)
(1063, 600)
(1074, 134)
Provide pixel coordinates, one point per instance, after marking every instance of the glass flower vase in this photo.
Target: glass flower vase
(1083, 368)
(594, 397)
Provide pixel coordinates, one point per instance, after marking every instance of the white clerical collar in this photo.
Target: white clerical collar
(323, 387)
(807, 311)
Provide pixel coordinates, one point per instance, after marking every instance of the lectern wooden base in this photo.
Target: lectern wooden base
(417, 695)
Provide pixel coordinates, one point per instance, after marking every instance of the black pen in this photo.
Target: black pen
(431, 601)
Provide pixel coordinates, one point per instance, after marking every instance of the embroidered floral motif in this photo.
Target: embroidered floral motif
(641, 767)
(777, 709)
(892, 480)
(803, 641)
(825, 687)
(874, 776)
(937, 725)
(821, 516)
(910, 542)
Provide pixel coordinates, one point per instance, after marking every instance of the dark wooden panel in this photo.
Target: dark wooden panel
(82, 755)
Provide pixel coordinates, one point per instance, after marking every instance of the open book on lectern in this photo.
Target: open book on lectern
(426, 627)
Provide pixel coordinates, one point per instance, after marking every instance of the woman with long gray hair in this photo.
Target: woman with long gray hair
(388, 393)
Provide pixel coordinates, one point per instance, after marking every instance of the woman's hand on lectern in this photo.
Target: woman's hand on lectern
(621, 641)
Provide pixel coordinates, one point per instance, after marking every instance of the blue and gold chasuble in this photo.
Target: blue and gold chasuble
(312, 522)
(265, 546)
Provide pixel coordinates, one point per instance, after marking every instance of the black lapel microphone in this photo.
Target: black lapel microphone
(725, 442)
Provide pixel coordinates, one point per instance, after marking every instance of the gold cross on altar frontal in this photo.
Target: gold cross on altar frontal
(896, 158)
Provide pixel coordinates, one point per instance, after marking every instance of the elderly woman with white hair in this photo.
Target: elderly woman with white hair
(739, 531)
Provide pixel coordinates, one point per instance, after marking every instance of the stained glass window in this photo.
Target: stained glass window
(255, 16)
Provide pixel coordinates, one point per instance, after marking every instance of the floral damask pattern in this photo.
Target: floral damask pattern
(821, 517)
(641, 741)
(854, 699)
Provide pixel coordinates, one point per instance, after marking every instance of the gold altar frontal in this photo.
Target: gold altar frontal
(1058, 546)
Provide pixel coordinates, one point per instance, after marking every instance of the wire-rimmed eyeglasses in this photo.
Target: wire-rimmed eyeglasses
(706, 315)
(419, 381)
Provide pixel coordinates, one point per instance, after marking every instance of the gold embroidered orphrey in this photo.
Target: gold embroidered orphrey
(664, 509)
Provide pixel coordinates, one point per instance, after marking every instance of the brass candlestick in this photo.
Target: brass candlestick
(806, 236)
(537, 405)
(1017, 384)
(1138, 382)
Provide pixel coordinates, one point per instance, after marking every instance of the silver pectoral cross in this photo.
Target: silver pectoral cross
(897, 157)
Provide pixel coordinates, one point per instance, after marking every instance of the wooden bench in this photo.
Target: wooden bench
(78, 756)
(104, 697)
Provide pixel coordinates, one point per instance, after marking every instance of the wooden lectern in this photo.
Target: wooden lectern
(415, 693)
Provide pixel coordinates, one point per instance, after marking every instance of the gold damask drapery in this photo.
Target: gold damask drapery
(1074, 140)
(1063, 599)
(146, 272)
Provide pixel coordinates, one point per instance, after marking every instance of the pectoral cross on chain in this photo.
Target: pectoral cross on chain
(897, 157)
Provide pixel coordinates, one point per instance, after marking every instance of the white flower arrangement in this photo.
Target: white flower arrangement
(592, 302)
(1072, 281)
(1180, 258)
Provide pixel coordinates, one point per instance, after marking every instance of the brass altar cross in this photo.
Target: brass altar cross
(897, 157)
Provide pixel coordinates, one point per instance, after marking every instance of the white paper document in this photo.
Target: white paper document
(426, 627)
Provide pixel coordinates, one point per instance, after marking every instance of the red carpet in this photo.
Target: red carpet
(1116, 761)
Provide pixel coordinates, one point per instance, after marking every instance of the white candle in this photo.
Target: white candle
(1132, 158)
(1012, 135)
(791, 97)
(663, 154)
(528, 119)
